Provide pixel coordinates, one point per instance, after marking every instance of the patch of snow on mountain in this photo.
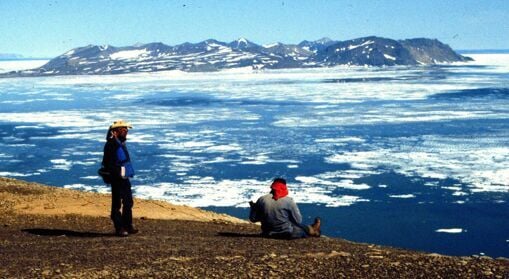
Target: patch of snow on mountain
(69, 53)
(390, 57)
(363, 44)
(213, 46)
(243, 56)
(129, 54)
(271, 45)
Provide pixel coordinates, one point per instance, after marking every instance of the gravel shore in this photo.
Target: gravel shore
(35, 244)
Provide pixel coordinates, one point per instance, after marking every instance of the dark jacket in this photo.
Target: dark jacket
(115, 157)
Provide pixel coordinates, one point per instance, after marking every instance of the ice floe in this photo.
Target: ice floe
(404, 196)
(453, 230)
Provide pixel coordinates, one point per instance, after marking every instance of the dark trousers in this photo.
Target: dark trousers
(300, 231)
(121, 198)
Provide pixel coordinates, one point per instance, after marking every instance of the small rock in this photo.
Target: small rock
(463, 262)
(272, 265)
(488, 272)
(435, 255)
(339, 254)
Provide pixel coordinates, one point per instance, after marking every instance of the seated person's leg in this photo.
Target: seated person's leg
(313, 229)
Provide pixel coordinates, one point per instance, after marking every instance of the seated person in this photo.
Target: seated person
(279, 214)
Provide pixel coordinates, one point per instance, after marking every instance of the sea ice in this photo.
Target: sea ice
(453, 230)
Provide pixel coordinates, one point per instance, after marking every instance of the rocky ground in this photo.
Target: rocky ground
(72, 245)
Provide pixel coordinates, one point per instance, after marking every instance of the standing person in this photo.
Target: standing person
(117, 163)
(279, 214)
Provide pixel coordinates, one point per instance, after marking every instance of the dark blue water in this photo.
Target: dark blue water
(405, 224)
(385, 156)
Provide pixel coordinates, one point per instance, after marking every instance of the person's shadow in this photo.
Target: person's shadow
(69, 233)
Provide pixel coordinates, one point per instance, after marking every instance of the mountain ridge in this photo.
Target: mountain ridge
(9, 56)
(214, 55)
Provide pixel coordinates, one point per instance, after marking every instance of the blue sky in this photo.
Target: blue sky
(41, 28)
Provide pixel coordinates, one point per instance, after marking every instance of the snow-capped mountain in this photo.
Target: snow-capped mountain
(318, 45)
(213, 55)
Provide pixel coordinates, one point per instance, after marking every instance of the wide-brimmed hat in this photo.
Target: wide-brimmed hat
(121, 123)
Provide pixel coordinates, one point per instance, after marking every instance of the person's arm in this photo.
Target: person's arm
(254, 215)
(294, 213)
(110, 160)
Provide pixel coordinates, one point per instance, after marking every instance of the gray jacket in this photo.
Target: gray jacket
(277, 216)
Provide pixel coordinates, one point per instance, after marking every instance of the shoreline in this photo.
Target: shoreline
(50, 232)
(40, 199)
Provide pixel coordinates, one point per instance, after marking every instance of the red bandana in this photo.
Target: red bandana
(279, 190)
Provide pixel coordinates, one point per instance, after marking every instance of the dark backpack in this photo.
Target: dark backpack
(105, 174)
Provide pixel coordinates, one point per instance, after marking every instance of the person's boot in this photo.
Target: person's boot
(122, 232)
(132, 230)
(314, 229)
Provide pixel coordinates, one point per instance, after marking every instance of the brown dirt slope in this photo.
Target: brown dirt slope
(42, 236)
